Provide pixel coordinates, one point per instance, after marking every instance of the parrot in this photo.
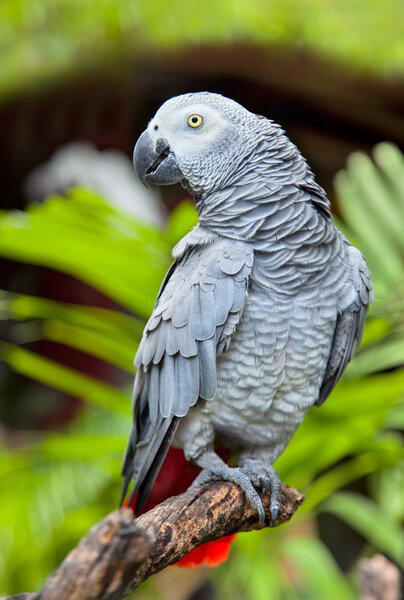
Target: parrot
(258, 315)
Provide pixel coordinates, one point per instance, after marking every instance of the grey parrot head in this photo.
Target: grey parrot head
(198, 139)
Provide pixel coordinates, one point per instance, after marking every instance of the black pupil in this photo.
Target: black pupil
(194, 120)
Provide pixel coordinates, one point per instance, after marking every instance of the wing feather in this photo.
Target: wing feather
(198, 307)
(348, 328)
(207, 370)
(167, 387)
(154, 393)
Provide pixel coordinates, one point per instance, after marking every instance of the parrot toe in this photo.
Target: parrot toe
(268, 480)
(238, 477)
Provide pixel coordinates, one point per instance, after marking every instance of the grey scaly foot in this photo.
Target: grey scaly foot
(265, 477)
(214, 469)
(239, 478)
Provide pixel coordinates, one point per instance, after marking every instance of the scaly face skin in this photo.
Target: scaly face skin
(194, 142)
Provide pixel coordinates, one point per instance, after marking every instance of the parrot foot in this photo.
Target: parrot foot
(240, 478)
(268, 480)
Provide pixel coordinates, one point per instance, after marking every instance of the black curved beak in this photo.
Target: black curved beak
(154, 162)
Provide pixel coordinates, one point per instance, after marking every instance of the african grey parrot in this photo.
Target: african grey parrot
(261, 310)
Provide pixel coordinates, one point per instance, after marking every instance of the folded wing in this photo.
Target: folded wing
(197, 310)
(349, 326)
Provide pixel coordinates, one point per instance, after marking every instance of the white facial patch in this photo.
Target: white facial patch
(173, 126)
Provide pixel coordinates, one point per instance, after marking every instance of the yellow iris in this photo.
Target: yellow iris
(195, 121)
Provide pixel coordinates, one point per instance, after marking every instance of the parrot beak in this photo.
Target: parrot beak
(154, 162)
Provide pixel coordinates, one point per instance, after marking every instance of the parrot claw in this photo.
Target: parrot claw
(238, 477)
(274, 515)
(268, 480)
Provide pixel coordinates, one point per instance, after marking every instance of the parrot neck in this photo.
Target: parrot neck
(269, 195)
(254, 213)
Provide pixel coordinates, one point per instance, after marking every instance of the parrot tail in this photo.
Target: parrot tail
(175, 476)
(210, 554)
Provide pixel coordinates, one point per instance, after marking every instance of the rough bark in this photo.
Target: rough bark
(379, 579)
(120, 552)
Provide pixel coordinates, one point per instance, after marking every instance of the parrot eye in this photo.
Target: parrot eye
(195, 121)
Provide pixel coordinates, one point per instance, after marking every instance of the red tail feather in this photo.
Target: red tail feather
(210, 554)
(175, 476)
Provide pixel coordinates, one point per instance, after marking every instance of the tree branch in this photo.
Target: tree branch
(379, 579)
(120, 552)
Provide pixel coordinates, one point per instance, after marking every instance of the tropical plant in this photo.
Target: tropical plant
(54, 486)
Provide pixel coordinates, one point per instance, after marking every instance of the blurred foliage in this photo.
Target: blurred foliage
(41, 38)
(54, 486)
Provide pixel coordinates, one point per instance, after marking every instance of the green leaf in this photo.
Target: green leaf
(63, 378)
(391, 161)
(182, 219)
(381, 200)
(385, 452)
(371, 202)
(376, 329)
(357, 210)
(119, 350)
(82, 447)
(109, 335)
(387, 488)
(316, 567)
(103, 252)
(24, 307)
(346, 423)
(383, 356)
(363, 515)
